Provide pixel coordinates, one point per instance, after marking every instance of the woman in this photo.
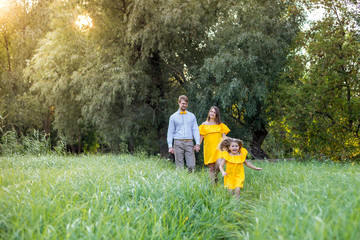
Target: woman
(212, 131)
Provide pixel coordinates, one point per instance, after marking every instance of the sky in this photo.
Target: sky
(4, 3)
(316, 15)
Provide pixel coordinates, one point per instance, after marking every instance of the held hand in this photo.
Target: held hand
(197, 148)
(224, 174)
(171, 150)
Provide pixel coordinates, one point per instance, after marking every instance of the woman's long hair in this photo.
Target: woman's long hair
(217, 115)
(225, 144)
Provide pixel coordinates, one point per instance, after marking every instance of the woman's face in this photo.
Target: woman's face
(212, 113)
(234, 147)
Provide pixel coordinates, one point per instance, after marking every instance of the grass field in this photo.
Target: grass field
(137, 197)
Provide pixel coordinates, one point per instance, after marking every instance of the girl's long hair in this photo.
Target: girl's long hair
(217, 113)
(225, 144)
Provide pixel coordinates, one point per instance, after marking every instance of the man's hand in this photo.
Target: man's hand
(197, 147)
(224, 174)
(171, 150)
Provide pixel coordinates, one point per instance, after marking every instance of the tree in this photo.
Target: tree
(144, 48)
(127, 70)
(249, 53)
(321, 107)
(21, 27)
(54, 69)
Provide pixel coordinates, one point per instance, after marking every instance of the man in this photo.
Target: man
(182, 130)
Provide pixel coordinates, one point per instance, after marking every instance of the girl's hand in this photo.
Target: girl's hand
(224, 174)
(258, 169)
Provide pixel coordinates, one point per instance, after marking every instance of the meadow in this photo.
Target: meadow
(141, 197)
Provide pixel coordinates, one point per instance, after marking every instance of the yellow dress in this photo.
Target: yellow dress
(235, 169)
(212, 136)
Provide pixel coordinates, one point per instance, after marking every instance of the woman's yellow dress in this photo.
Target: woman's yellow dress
(212, 136)
(235, 169)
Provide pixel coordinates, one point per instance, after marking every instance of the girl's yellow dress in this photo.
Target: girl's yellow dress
(234, 169)
(212, 136)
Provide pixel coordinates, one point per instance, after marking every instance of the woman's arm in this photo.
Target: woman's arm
(221, 167)
(252, 166)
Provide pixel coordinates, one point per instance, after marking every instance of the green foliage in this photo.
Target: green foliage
(51, 70)
(9, 143)
(3, 116)
(248, 55)
(21, 28)
(60, 147)
(116, 83)
(90, 141)
(321, 104)
(124, 74)
(33, 143)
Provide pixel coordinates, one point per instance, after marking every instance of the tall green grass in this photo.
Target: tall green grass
(136, 197)
(311, 200)
(119, 197)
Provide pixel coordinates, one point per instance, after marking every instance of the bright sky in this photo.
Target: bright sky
(316, 15)
(4, 4)
(313, 16)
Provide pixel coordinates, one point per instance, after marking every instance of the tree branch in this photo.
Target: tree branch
(179, 76)
(6, 45)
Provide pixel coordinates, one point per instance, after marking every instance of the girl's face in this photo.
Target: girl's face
(234, 147)
(212, 114)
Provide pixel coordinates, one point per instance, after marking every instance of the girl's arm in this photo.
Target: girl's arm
(221, 167)
(252, 166)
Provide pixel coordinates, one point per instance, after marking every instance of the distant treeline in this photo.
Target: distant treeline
(105, 75)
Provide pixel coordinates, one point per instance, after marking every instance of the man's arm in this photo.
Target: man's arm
(170, 135)
(196, 134)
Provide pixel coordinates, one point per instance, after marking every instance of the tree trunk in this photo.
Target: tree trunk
(47, 120)
(131, 145)
(79, 144)
(6, 45)
(159, 108)
(258, 138)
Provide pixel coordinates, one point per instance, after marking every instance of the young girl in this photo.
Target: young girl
(211, 131)
(234, 157)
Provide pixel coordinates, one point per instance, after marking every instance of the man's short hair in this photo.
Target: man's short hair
(183, 97)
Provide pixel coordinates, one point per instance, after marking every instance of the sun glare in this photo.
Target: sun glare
(84, 22)
(4, 4)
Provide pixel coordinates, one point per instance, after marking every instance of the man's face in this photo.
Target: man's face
(182, 105)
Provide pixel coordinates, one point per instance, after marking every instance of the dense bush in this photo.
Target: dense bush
(32, 143)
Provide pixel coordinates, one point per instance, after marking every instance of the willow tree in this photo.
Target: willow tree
(122, 75)
(53, 71)
(249, 49)
(143, 50)
(21, 27)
